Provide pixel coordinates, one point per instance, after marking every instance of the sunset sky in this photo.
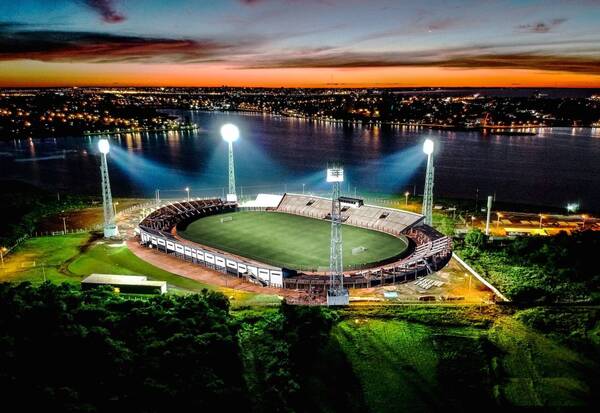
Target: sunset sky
(312, 43)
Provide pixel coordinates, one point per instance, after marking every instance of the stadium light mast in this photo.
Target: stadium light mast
(110, 226)
(337, 294)
(230, 133)
(428, 193)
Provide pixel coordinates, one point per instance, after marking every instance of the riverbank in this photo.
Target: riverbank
(182, 128)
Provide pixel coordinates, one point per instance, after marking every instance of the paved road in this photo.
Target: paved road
(505, 223)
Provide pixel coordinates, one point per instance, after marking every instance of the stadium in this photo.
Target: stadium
(294, 241)
(283, 240)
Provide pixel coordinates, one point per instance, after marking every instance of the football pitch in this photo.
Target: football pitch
(291, 241)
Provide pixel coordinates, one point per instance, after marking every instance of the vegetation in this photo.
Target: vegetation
(289, 240)
(538, 269)
(67, 350)
(445, 224)
(22, 205)
(70, 258)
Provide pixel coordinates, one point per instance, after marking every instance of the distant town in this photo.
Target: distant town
(26, 113)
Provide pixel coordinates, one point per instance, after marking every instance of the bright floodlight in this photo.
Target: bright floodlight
(428, 146)
(572, 207)
(103, 145)
(335, 174)
(230, 132)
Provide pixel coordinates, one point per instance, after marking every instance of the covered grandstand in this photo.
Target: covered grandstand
(429, 250)
(354, 212)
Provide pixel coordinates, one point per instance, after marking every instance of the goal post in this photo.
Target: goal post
(358, 250)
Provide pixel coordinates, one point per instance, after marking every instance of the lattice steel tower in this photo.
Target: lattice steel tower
(428, 193)
(337, 294)
(230, 134)
(110, 226)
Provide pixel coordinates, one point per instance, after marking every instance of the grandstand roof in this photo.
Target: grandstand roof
(264, 201)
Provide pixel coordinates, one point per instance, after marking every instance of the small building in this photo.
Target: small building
(354, 202)
(133, 284)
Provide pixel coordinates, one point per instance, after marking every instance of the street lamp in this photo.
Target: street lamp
(115, 207)
(2, 252)
(406, 194)
(572, 207)
(470, 278)
(303, 188)
(583, 217)
(187, 189)
(541, 218)
(498, 220)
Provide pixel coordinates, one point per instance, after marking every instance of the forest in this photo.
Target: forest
(62, 349)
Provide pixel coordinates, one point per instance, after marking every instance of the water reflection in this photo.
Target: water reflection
(556, 165)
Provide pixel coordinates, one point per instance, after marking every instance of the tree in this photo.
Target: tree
(475, 239)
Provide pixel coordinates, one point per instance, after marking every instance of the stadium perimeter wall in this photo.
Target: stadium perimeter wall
(268, 276)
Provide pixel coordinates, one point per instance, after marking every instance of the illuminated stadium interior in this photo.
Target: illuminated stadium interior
(383, 245)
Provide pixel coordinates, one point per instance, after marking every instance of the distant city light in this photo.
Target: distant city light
(103, 146)
(428, 146)
(230, 132)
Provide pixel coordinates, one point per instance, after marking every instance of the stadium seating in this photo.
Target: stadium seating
(429, 249)
(393, 221)
(166, 217)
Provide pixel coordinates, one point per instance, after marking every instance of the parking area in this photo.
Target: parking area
(451, 284)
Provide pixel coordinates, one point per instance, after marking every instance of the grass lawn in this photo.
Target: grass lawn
(72, 257)
(537, 371)
(290, 241)
(395, 362)
(404, 359)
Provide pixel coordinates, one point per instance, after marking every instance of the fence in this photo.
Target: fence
(37, 234)
(480, 278)
(8, 250)
(98, 227)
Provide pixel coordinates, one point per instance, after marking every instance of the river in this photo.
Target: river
(274, 153)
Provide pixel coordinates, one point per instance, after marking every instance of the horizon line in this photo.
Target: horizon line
(294, 87)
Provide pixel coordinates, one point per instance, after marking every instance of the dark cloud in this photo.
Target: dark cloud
(21, 41)
(55, 45)
(541, 27)
(106, 9)
(466, 59)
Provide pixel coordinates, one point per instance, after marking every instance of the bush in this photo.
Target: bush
(539, 269)
(475, 239)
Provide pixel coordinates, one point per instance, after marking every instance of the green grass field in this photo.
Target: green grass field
(441, 358)
(70, 258)
(291, 241)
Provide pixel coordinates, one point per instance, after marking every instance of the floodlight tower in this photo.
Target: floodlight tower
(428, 193)
(110, 226)
(230, 133)
(337, 294)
